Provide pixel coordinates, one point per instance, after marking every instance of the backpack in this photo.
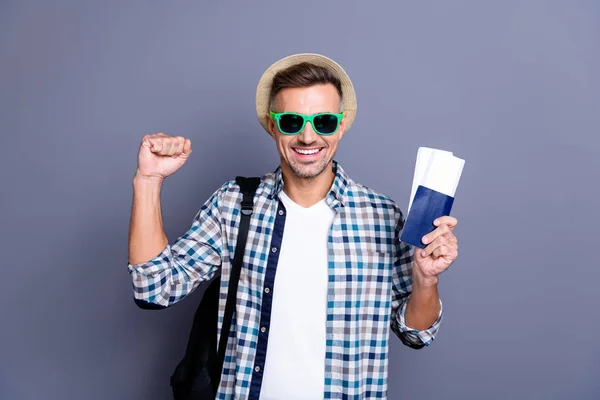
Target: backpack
(198, 374)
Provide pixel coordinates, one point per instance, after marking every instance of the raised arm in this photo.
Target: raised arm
(164, 274)
(159, 156)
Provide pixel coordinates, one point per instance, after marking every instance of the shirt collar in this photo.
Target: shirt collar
(336, 195)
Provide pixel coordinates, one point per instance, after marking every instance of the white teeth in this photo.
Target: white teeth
(307, 152)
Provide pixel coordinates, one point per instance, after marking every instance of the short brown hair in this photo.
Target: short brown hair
(303, 75)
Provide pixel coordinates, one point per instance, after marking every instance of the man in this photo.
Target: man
(325, 275)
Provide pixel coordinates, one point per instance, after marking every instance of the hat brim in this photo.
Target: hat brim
(263, 90)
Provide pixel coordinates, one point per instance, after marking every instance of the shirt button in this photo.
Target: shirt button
(280, 212)
(274, 249)
(257, 368)
(263, 329)
(267, 290)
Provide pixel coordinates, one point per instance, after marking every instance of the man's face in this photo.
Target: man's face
(307, 100)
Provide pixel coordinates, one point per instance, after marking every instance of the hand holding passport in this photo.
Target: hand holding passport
(435, 180)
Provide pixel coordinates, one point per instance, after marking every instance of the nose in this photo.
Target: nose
(308, 134)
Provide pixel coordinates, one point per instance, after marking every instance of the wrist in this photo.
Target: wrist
(145, 180)
(421, 281)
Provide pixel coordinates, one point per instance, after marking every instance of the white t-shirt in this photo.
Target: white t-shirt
(295, 361)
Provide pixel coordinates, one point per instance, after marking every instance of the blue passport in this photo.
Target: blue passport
(427, 205)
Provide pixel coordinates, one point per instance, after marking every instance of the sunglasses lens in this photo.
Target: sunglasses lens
(326, 124)
(290, 123)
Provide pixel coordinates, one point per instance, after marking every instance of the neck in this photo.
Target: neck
(307, 192)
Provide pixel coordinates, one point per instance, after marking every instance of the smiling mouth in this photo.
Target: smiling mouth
(307, 152)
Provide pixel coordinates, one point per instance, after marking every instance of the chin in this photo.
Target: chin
(308, 171)
(305, 173)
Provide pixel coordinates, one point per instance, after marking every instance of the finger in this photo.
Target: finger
(439, 241)
(161, 145)
(442, 251)
(439, 231)
(446, 220)
(437, 253)
(187, 147)
(173, 146)
(147, 139)
(452, 244)
(442, 247)
(451, 238)
(179, 142)
(156, 145)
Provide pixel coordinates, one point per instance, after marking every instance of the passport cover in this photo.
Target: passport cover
(427, 205)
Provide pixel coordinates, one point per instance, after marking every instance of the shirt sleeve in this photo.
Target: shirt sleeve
(402, 289)
(195, 257)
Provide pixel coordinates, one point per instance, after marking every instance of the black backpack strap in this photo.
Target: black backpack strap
(248, 187)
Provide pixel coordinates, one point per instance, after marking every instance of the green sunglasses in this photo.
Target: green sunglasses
(290, 123)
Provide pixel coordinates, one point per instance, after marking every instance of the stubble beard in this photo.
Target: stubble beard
(309, 171)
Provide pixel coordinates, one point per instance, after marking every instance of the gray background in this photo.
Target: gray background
(510, 86)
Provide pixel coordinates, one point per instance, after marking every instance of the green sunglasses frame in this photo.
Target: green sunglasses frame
(305, 118)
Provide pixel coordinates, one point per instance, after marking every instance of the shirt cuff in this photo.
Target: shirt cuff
(416, 337)
(154, 266)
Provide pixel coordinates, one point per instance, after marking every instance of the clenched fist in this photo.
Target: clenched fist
(161, 155)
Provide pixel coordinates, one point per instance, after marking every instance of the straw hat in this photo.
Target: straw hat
(263, 91)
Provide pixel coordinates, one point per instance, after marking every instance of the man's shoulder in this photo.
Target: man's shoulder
(360, 195)
(231, 191)
(359, 191)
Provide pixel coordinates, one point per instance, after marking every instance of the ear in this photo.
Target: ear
(342, 127)
(272, 126)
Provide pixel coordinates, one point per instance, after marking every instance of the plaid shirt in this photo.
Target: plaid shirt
(370, 276)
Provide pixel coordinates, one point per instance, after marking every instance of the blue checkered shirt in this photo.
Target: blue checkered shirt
(369, 273)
